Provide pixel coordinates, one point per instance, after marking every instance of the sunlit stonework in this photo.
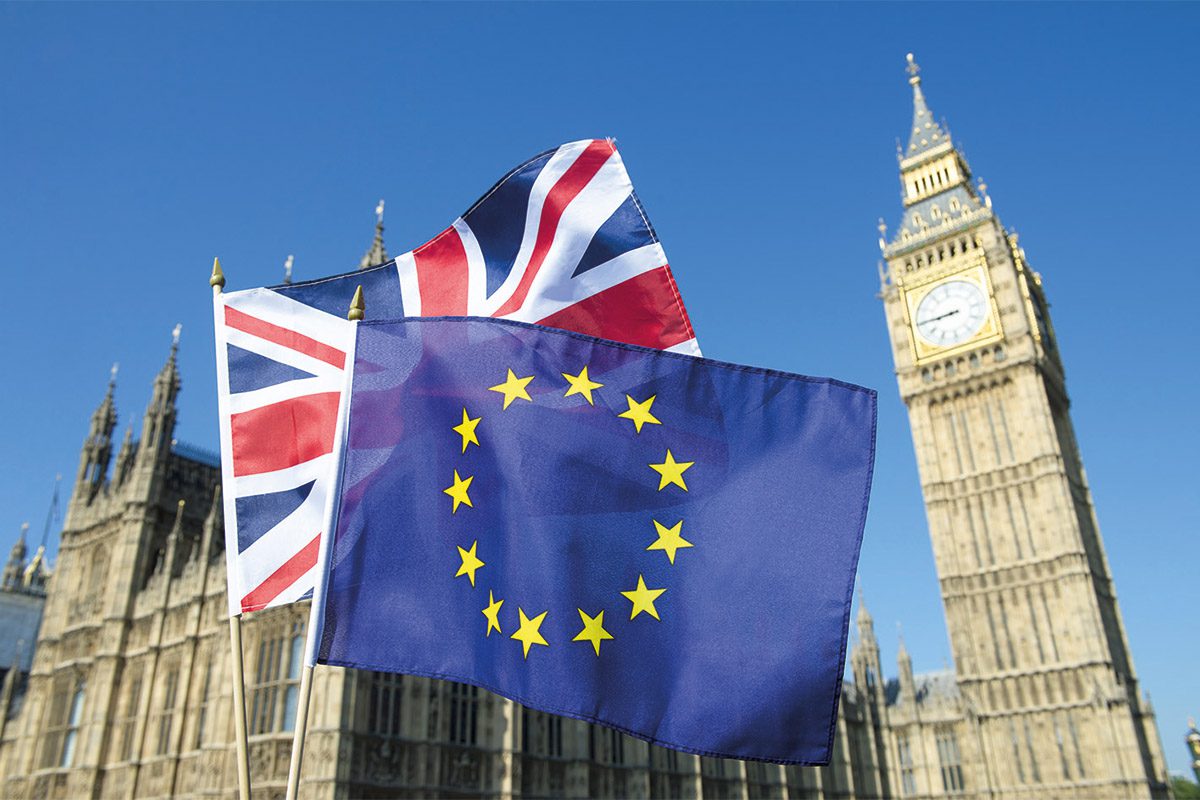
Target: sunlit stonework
(128, 694)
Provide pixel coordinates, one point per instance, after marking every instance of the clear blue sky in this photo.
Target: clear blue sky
(137, 141)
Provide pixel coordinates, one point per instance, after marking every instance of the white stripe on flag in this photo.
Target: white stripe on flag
(476, 268)
(280, 480)
(568, 291)
(410, 289)
(558, 164)
(289, 390)
(284, 355)
(578, 225)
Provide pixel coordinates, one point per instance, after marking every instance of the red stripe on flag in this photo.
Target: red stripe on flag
(442, 275)
(645, 310)
(282, 336)
(577, 176)
(282, 578)
(283, 434)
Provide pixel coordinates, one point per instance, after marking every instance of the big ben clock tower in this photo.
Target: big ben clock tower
(1042, 661)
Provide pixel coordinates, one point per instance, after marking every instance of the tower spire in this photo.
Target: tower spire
(213, 526)
(868, 671)
(866, 625)
(16, 561)
(934, 178)
(377, 253)
(904, 662)
(926, 132)
(159, 422)
(93, 463)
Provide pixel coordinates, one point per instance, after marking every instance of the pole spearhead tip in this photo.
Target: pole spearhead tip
(358, 308)
(218, 277)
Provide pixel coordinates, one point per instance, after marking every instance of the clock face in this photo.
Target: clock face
(951, 313)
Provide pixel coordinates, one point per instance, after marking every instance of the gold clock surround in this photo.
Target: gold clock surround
(990, 331)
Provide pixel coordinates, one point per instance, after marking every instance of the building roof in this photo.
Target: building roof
(939, 213)
(931, 687)
(926, 133)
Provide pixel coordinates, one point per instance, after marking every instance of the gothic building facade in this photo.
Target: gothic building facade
(128, 694)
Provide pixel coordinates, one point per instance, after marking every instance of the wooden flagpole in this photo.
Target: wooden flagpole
(239, 707)
(316, 616)
(293, 784)
(217, 282)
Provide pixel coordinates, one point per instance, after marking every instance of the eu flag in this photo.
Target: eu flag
(659, 543)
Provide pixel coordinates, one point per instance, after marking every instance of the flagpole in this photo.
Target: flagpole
(239, 707)
(316, 614)
(217, 282)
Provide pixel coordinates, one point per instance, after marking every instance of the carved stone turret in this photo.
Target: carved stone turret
(97, 448)
(865, 662)
(124, 458)
(16, 562)
(907, 684)
(158, 426)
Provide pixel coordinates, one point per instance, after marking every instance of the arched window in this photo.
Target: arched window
(205, 710)
(131, 704)
(164, 718)
(276, 687)
(949, 760)
(383, 711)
(62, 729)
(908, 779)
(68, 751)
(464, 707)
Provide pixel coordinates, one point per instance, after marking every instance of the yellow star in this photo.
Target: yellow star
(459, 491)
(512, 388)
(581, 384)
(467, 430)
(492, 612)
(528, 634)
(643, 599)
(671, 471)
(470, 562)
(593, 630)
(640, 412)
(669, 539)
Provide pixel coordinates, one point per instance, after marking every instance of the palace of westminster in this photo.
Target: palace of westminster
(127, 692)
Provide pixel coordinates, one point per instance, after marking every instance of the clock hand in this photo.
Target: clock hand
(935, 319)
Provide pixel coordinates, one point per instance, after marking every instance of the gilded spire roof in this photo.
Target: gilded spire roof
(926, 132)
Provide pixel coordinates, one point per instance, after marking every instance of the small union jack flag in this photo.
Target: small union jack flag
(562, 240)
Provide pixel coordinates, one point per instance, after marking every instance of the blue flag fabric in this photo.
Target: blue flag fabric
(659, 543)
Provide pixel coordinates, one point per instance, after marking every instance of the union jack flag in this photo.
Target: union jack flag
(562, 240)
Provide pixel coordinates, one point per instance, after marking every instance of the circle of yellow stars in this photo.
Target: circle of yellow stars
(669, 540)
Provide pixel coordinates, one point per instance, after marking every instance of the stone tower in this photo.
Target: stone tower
(1041, 655)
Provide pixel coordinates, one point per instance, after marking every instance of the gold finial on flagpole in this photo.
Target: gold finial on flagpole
(218, 277)
(358, 308)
